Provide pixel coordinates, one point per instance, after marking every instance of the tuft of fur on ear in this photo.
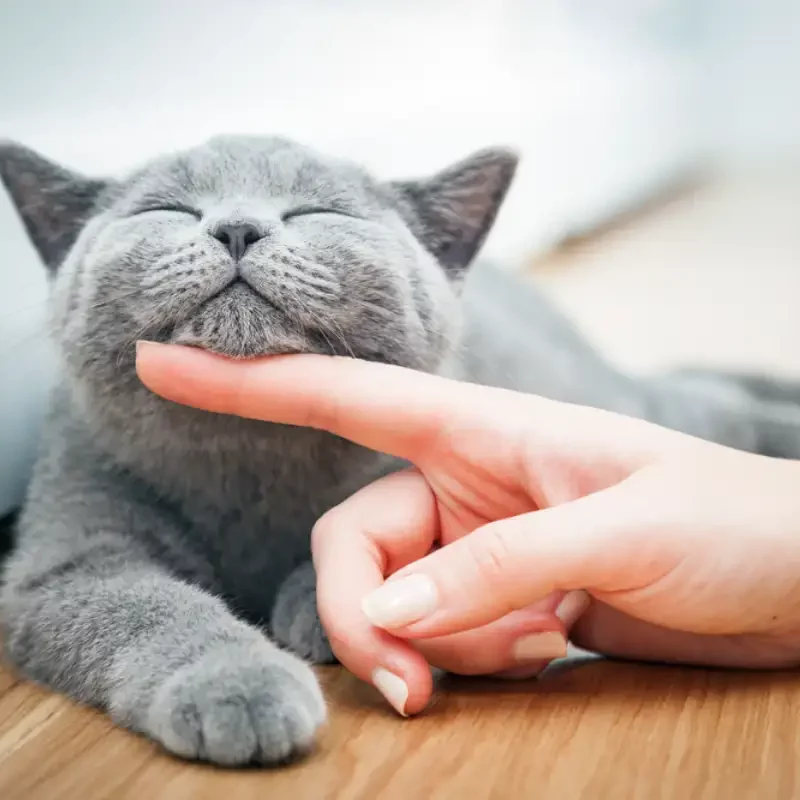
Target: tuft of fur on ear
(53, 202)
(453, 211)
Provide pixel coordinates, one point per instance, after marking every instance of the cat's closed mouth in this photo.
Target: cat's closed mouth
(239, 322)
(240, 285)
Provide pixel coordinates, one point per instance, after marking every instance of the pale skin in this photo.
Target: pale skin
(524, 523)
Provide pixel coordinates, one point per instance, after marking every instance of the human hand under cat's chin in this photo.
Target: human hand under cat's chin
(547, 521)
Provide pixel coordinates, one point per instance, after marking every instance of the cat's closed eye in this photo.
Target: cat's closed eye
(169, 209)
(307, 211)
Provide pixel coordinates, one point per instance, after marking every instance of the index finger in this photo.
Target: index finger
(386, 408)
(380, 529)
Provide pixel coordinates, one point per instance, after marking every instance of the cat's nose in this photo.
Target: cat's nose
(237, 237)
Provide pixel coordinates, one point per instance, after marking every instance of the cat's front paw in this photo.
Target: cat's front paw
(295, 621)
(242, 704)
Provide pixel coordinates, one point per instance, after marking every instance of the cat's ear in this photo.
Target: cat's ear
(452, 212)
(53, 202)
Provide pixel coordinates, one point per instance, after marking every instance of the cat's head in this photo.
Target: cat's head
(252, 246)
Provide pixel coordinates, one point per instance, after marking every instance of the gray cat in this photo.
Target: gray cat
(159, 544)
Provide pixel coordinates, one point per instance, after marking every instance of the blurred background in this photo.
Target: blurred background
(658, 200)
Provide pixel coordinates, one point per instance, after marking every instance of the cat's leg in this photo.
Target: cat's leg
(113, 629)
(295, 621)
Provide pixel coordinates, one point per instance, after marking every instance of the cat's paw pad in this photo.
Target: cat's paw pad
(295, 622)
(239, 705)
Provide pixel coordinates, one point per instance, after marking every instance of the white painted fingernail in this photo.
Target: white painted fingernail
(572, 607)
(539, 647)
(392, 687)
(400, 602)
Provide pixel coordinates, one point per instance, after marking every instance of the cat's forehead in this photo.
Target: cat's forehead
(250, 166)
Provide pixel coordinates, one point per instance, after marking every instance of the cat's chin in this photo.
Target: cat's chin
(239, 323)
(245, 347)
(245, 350)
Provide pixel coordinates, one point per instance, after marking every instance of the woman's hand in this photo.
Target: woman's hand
(544, 519)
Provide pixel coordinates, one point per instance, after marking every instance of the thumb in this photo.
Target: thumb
(595, 543)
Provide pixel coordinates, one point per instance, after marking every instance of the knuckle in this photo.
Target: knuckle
(491, 555)
(323, 529)
(320, 411)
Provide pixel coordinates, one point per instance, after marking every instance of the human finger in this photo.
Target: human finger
(520, 644)
(592, 543)
(385, 526)
(610, 632)
(398, 411)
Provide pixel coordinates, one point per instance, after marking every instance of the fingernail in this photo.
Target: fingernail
(572, 606)
(142, 343)
(392, 687)
(400, 602)
(539, 647)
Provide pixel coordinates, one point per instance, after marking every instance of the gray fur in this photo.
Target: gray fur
(160, 544)
(759, 386)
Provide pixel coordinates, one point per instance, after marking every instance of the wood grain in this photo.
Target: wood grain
(590, 729)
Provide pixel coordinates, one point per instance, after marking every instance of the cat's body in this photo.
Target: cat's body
(159, 544)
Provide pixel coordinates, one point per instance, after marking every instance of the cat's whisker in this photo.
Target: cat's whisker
(19, 311)
(311, 275)
(110, 300)
(151, 324)
(341, 337)
(335, 330)
(376, 310)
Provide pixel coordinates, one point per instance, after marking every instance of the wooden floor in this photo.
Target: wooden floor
(589, 730)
